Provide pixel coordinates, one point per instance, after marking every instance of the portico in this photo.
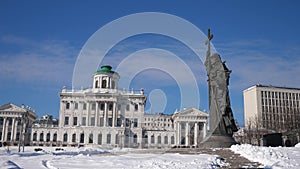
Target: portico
(190, 127)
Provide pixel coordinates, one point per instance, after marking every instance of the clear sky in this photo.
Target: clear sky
(40, 41)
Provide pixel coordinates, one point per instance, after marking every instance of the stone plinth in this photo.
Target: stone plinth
(218, 141)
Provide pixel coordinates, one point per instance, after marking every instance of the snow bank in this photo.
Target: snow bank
(270, 157)
(297, 145)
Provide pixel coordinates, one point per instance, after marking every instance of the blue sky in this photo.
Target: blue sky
(40, 41)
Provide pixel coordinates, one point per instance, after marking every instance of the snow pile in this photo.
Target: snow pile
(270, 157)
(297, 145)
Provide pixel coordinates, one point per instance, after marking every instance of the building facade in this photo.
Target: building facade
(273, 108)
(105, 116)
(15, 124)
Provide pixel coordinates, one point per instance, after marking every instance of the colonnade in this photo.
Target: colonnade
(184, 132)
(9, 131)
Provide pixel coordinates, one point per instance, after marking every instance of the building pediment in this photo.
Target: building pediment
(11, 108)
(191, 112)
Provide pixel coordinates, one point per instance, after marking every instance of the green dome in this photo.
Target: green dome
(105, 69)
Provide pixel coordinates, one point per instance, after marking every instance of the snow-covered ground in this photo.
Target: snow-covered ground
(96, 158)
(87, 157)
(271, 157)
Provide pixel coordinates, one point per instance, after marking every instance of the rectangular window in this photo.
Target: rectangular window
(119, 122)
(127, 121)
(110, 107)
(101, 121)
(99, 139)
(102, 106)
(136, 107)
(127, 108)
(66, 120)
(67, 105)
(135, 123)
(110, 122)
(83, 121)
(92, 121)
(76, 106)
(84, 106)
(75, 121)
(94, 106)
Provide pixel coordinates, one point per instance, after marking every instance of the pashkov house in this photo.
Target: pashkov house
(107, 117)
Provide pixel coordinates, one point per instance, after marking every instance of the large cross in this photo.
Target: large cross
(207, 42)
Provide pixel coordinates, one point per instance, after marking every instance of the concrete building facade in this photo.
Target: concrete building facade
(273, 108)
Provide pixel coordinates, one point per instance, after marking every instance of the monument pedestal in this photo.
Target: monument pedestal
(218, 141)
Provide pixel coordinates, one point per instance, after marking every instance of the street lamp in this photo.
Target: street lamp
(24, 120)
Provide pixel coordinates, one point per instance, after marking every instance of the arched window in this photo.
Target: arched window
(48, 137)
(65, 137)
(41, 136)
(146, 139)
(159, 140)
(172, 140)
(166, 139)
(74, 138)
(100, 139)
(82, 138)
(55, 137)
(91, 138)
(108, 139)
(135, 139)
(96, 84)
(104, 83)
(34, 137)
(152, 139)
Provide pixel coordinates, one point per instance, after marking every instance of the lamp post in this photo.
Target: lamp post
(24, 120)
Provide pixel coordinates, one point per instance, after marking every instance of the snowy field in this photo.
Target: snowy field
(85, 157)
(96, 158)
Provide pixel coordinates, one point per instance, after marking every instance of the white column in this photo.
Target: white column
(107, 82)
(105, 114)
(114, 114)
(100, 82)
(61, 114)
(178, 133)
(4, 128)
(97, 114)
(80, 109)
(187, 134)
(15, 130)
(72, 107)
(204, 130)
(196, 134)
(12, 129)
(88, 114)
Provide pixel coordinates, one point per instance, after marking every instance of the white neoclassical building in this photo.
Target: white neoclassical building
(105, 116)
(15, 123)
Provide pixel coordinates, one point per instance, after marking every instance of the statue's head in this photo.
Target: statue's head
(215, 58)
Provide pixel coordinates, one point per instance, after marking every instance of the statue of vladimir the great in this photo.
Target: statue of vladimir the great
(221, 117)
